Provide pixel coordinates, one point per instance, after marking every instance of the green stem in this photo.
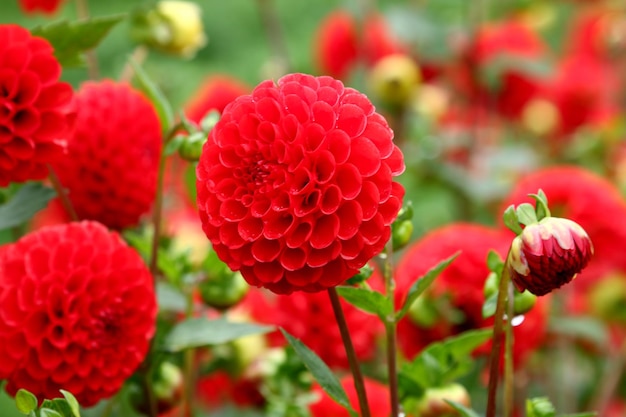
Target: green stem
(494, 359)
(390, 332)
(108, 409)
(508, 354)
(188, 370)
(62, 193)
(275, 35)
(359, 385)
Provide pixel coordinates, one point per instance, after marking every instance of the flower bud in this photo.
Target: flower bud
(394, 79)
(433, 402)
(173, 26)
(548, 254)
(191, 146)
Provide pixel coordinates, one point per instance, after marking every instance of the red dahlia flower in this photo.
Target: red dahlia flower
(214, 94)
(44, 6)
(77, 312)
(307, 317)
(459, 288)
(34, 116)
(113, 155)
(295, 184)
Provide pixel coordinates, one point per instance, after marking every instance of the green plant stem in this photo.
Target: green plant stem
(390, 332)
(139, 55)
(108, 409)
(188, 370)
(508, 354)
(359, 385)
(494, 359)
(611, 376)
(62, 193)
(157, 212)
(92, 62)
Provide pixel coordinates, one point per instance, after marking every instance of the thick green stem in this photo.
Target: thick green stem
(62, 193)
(390, 332)
(494, 359)
(359, 385)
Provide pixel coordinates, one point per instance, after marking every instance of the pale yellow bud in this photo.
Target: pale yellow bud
(540, 117)
(185, 31)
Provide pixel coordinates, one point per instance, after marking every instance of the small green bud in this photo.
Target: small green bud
(523, 302)
(539, 407)
(401, 234)
(423, 313)
(223, 290)
(433, 402)
(190, 148)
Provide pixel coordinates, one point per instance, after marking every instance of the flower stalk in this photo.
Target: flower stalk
(359, 385)
(62, 193)
(390, 333)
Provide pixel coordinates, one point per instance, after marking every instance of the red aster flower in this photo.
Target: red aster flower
(460, 286)
(589, 200)
(34, 106)
(377, 397)
(339, 46)
(214, 94)
(548, 254)
(44, 6)
(70, 317)
(113, 155)
(310, 318)
(295, 184)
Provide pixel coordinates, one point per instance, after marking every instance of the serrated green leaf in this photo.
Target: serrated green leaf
(465, 412)
(25, 401)
(28, 200)
(526, 214)
(71, 402)
(71, 39)
(367, 300)
(320, 371)
(423, 283)
(201, 331)
(156, 96)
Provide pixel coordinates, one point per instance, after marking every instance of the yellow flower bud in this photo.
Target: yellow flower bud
(185, 27)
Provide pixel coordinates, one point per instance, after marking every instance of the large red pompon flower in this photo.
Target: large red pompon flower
(295, 184)
(44, 6)
(34, 116)
(77, 312)
(113, 155)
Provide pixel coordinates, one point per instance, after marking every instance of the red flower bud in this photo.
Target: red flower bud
(548, 254)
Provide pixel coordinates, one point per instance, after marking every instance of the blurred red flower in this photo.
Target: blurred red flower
(113, 155)
(70, 317)
(35, 114)
(214, 94)
(44, 6)
(340, 44)
(501, 47)
(219, 388)
(310, 318)
(295, 184)
(377, 397)
(461, 285)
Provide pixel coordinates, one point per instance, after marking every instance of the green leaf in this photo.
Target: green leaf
(526, 214)
(589, 329)
(367, 300)
(489, 306)
(156, 96)
(494, 262)
(48, 412)
(423, 283)
(25, 401)
(540, 407)
(28, 200)
(465, 412)
(541, 203)
(201, 331)
(511, 221)
(322, 374)
(71, 39)
(169, 298)
(443, 362)
(173, 145)
(59, 405)
(72, 402)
